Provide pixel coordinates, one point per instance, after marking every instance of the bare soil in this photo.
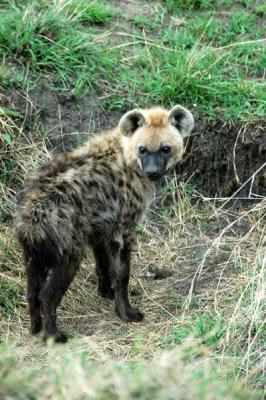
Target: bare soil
(220, 157)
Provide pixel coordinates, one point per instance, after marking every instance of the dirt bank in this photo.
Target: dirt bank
(220, 157)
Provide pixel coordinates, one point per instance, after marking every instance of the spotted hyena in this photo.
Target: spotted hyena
(95, 195)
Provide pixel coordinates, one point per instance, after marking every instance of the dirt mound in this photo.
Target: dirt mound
(221, 157)
(65, 120)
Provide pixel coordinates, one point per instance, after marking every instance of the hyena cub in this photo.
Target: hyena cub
(95, 196)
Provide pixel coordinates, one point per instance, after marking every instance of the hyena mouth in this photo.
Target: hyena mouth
(155, 178)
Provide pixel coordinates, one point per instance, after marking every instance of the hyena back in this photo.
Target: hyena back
(95, 195)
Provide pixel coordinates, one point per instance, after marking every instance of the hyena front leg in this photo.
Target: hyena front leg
(102, 259)
(120, 270)
(51, 296)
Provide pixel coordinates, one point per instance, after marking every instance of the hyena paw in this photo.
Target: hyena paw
(36, 326)
(58, 337)
(131, 314)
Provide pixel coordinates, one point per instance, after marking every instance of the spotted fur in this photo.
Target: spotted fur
(95, 195)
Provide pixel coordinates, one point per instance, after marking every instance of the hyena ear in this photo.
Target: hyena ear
(181, 119)
(131, 121)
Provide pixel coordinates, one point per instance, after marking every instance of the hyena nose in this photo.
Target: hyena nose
(152, 173)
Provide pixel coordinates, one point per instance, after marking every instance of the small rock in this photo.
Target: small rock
(154, 272)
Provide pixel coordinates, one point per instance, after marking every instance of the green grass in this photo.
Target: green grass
(93, 11)
(142, 22)
(49, 38)
(176, 5)
(59, 39)
(217, 31)
(260, 10)
(207, 329)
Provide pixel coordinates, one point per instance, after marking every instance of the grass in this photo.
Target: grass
(114, 380)
(203, 336)
(176, 5)
(216, 326)
(10, 297)
(208, 63)
(46, 38)
(214, 346)
(207, 329)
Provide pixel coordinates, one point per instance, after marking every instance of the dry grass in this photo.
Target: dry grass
(79, 372)
(203, 336)
(212, 297)
(20, 152)
(211, 302)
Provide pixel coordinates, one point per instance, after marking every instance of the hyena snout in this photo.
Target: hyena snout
(153, 163)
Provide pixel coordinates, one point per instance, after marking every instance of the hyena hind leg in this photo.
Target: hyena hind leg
(102, 259)
(51, 296)
(35, 279)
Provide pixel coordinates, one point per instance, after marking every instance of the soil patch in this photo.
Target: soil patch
(220, 157)
(66, 121)
(131, 8)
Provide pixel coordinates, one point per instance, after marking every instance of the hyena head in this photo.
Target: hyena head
(153, 139)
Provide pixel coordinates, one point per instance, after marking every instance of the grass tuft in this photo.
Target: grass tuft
(73, 373)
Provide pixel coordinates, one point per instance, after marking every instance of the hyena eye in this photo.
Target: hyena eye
(166, 149)
(142, 150)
